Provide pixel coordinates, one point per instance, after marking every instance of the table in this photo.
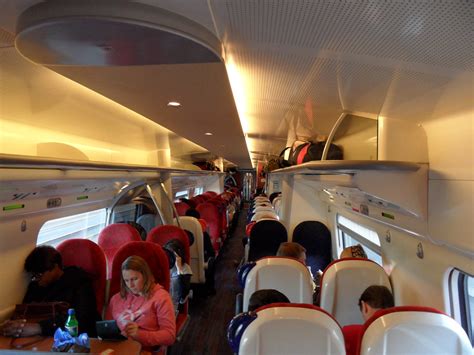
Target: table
(97, 346)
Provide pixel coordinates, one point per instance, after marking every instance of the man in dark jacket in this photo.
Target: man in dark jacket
(51, 282)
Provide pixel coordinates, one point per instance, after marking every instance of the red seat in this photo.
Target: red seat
(211, 194)
(112, 237)
(181, 208)
(210, 213)
(162, 234)
(90, 257)
(154, 256)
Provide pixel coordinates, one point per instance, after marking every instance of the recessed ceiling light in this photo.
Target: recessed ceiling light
(208, 134)
(174, 104)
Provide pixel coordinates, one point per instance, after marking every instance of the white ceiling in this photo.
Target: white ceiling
(295, 66)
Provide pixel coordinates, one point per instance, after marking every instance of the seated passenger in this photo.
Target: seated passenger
(263, 297)
(50, 282)
(180, 274)
(143, 309)
(355, 251)
(209, 253)
(292, 250)
(373, 299)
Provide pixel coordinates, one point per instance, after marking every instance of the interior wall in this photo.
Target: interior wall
(16, 245)
(300, 203)
(451, 179)
(415, 281)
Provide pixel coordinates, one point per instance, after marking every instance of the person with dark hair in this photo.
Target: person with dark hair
(263, 297)
(51, 282)
(373, 299)
(180, 274)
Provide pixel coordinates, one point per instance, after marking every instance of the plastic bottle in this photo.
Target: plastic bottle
(72, 325)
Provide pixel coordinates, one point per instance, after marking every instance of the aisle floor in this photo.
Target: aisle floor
(210, 315)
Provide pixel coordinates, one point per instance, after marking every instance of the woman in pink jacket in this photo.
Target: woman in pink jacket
(143, 309)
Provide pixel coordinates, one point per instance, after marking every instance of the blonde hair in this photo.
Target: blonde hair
(290, 249)
(138, 264)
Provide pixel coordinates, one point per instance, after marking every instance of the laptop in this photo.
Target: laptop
(108, 330)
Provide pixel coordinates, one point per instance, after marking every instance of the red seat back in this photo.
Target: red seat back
(162, 234)
(211, 215)
(181, 208)
(89, 257)
(112, 237)
(153, 255)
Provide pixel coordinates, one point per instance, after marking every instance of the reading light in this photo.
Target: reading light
(208, 134)
(174, 104)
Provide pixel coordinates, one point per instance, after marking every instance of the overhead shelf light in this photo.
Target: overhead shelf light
(174, 104)
(208, 134)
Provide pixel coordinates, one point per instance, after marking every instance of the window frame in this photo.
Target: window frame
(364, 241)
(459, 300)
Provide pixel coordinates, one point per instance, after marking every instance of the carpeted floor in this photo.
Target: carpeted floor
(210, 315)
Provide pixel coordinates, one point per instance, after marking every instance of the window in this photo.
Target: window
(462, 300)
(351, 233)
(198, 190)
(180, 194)
(84, 225)
(124, 213)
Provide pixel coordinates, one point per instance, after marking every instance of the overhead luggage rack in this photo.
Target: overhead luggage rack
(393, 192)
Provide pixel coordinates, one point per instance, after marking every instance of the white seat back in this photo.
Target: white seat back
(197, 249)
(292, 330)
(342, 284)
(289, 276)
(414, 332)
(264, 214)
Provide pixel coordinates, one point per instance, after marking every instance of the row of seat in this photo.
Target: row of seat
(342, 283)
(282, 328)
(104, 264)
(218, 210)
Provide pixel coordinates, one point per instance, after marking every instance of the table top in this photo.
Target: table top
(43, 345)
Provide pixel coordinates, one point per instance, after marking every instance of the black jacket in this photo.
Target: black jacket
(75, 288)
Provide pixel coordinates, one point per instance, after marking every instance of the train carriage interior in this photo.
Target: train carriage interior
(247, 124)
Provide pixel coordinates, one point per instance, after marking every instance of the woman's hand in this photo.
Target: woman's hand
(20, 328)
(131, 329)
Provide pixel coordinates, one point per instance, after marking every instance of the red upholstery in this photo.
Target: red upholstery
(162, 234)
(249, 227)
(211, 194)
(198, 200)
(352, 336)
(383, 312)
(203, 224)
(90, 257)
(211, 215)
(154, 256)
(181, 208)
(112, 237)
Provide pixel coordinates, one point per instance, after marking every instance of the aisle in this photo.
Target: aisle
(210, 315)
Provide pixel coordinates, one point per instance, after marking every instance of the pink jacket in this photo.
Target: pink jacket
(154, 316)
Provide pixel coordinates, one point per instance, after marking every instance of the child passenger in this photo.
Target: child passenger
(143, 308)
(180, 274)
